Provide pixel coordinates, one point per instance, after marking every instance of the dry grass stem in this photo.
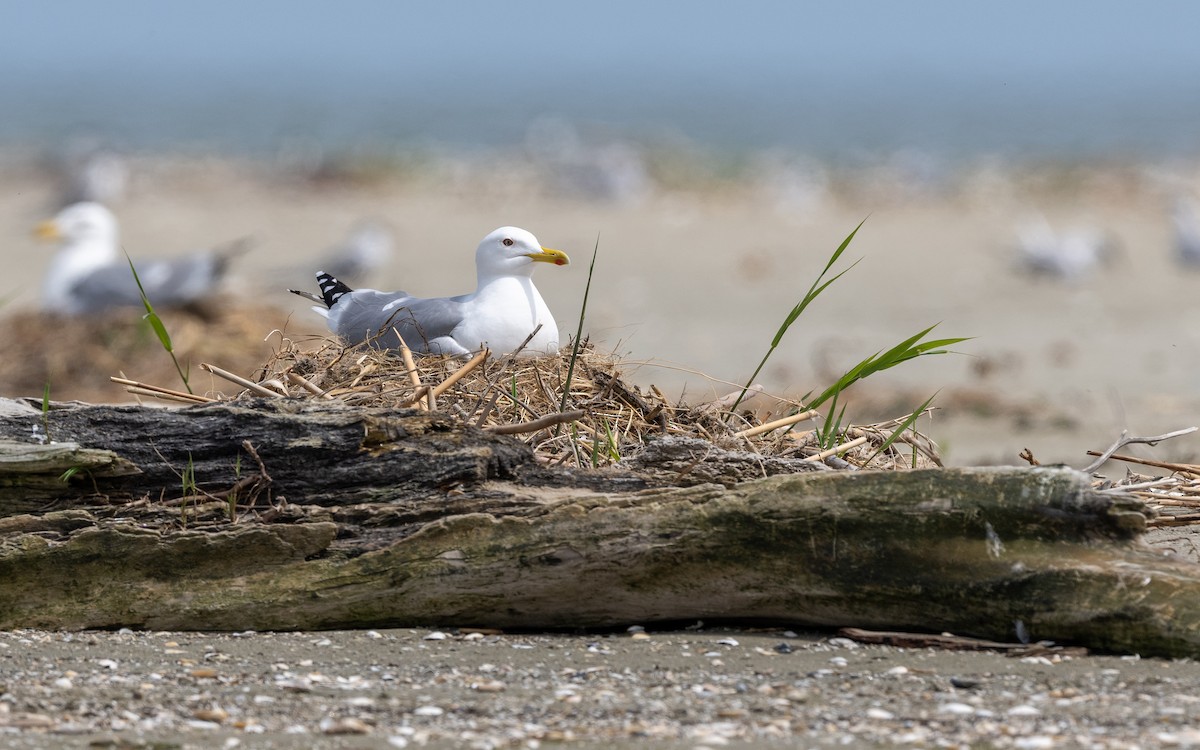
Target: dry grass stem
(300, 381)
(239, 380)
(458, 374)
(167, 394)
(776, 424)
(844, 447)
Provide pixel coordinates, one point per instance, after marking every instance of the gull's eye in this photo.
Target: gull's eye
(507, 241)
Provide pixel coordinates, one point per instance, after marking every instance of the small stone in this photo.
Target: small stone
(838, 661)
(897, 670)
(1034, 742)
(1023, 710)
(639, 636)
(635, 629)
(784, 648)
(345, 725)
(107, 663)
(728, 642)
(436, 635)
(957, 709)
(374, 634)
(23, 720)
(64, 683)
(428, 711)
(840, 642)
(200, 724)
(215, 715)
(966, 683)
(489, 686)
(204, 673)
(880, 714)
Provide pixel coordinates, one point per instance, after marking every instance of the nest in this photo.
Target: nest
(600, 420)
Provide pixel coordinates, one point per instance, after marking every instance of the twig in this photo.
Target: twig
(837, 449)
(1125, 440)
(487, 408)
(239, 380)
(458, 374)
(775, 425)
(145, 389)
(309, 386)
(1183, 468)
(537, 424)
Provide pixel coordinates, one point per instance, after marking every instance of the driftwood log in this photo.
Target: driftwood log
(300, 515)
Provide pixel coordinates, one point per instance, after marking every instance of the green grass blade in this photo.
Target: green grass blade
(818, 286)
(156, 323)
(579, 330)
(908, 422)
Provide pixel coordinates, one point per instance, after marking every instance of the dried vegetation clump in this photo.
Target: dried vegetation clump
(600, 420)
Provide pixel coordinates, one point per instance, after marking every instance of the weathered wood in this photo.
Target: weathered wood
(402, 518)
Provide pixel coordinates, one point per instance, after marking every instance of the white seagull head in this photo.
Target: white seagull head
(510, 251)
(83, 224)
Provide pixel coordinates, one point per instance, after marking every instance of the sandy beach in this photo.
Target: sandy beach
(694, 275)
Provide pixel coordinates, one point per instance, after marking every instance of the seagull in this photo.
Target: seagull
(363, 252)
(88, 274)
(1187, 232)
(501, 313)
(1069, 256)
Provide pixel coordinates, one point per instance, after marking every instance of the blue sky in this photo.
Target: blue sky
(473, 70)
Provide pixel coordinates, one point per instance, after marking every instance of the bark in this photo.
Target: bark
(359, 518)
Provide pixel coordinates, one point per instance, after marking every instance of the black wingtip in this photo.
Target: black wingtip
(331, 289)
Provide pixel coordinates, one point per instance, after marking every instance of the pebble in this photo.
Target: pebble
(436, 635)
(428, 710)
(958, 709)
(880, 714)
(898, 670)
(728, 642)
(1034, 742)
(215, 715)
(1023, 710)
(344, 725)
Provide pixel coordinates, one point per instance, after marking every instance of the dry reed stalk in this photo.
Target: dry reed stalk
(239, 380)
(838, 449)
(145, 389)
(308, 386)
(1192, 470)
(776, 424)
(458, 374)
(411, 366)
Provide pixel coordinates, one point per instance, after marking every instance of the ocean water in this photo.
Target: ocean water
(1023, 80)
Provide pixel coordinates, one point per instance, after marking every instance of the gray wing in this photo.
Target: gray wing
(168, 283)
(425, 324)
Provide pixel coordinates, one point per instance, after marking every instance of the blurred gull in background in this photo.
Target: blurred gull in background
(361, 254)
(1067, 256)
(89, 274)
(612, 171)
(1186, 219)
(91, 172)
